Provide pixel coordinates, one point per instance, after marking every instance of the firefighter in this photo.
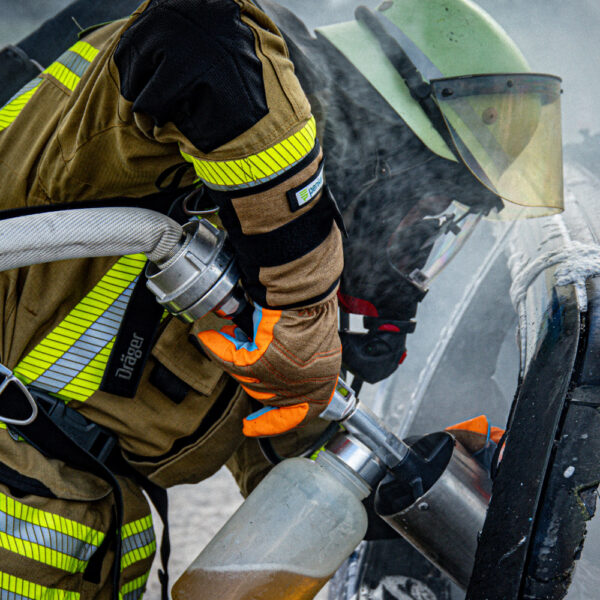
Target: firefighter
(189, 92)
(181, 83)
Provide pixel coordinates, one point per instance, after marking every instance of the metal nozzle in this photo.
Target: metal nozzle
(363, 424)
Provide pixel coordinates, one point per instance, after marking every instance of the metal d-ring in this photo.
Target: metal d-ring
(9, 378)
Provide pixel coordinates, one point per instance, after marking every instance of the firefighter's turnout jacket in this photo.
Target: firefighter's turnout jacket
(204, 83)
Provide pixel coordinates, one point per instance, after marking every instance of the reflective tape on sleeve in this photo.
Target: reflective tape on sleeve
(11, 110)
(259, 168)
(70, 66)
(134, 590)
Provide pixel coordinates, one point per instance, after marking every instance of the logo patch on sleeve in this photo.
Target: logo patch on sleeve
(305, 193)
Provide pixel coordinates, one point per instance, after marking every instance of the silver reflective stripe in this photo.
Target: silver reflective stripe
(86, 348)
(138, 540)
(43, 536)
(74, 62)
(26, 88)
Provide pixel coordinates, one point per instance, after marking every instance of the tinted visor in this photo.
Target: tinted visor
(507, 131)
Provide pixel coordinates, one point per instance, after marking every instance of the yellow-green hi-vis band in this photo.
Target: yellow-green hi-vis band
(70, 66)
(256, 169)
(46, 537)
(134, 590)
(67, 69)
(15, 588)
(139, 541)
(70, 361)
(11, 110)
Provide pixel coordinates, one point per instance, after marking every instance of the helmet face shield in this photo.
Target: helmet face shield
(447, 233)
(507, 131)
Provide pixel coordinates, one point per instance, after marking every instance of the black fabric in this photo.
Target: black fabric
(133, 342)
(278, 247)
(169, 384)
(20, 485)
(193, 63)
(93, 570)
(284, 244)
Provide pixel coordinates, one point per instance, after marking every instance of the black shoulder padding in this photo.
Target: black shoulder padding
(193, 63)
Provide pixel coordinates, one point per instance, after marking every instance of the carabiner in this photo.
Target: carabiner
(9, 378)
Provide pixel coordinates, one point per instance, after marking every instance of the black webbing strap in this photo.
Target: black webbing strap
(142, 317)
(133, 342)
(49, 438)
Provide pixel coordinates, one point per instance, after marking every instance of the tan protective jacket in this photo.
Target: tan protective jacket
(79, 132)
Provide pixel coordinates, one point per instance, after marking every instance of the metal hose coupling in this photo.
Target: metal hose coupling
(201, 276)
(365, 426)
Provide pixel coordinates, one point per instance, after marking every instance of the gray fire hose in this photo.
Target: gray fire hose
(87, 233)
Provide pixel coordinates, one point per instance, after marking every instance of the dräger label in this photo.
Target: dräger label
(130, 359)
(301, 196)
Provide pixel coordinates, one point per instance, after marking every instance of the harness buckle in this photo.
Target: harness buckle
(9, 377)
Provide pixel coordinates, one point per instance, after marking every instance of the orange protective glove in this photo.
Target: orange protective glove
(481, 440)
(291, 364)
(474, 434)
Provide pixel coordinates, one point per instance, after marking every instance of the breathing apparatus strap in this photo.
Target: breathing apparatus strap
(419, 89)
(143, 314)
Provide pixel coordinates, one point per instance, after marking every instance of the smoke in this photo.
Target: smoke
(557, 37)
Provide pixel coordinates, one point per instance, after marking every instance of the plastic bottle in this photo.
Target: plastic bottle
(287, 539)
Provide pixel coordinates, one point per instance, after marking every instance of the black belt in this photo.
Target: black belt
(62, 433)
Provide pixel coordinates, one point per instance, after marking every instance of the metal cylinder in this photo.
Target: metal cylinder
(444, 523)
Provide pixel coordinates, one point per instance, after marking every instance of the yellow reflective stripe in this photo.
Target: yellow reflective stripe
(139, 542)
(260, 167)
(85, 50)
(70, 66)
(63, 75)
(22, 589)
(136, 526)
(10, 111)
(71, 360)
(37, 516)
(138, 554)
(46, 537)
(134, 590)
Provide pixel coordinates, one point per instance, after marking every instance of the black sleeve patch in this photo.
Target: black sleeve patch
(305, 193)
(193, 63)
